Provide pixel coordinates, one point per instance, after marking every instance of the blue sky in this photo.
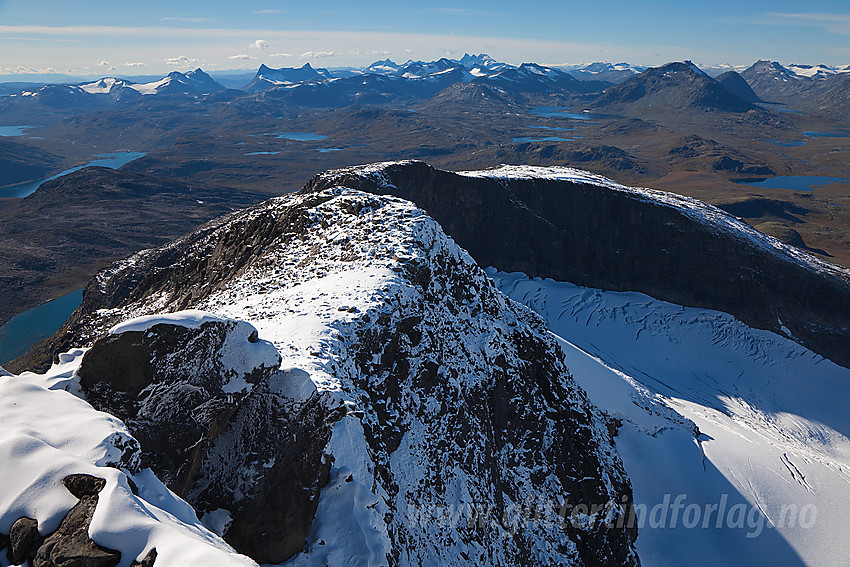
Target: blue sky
(156, 36)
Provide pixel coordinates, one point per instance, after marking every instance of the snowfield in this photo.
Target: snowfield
(721, 413)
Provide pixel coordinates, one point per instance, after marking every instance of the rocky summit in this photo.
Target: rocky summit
(414, 414)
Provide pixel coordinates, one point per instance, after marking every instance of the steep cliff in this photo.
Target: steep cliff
(577, 227)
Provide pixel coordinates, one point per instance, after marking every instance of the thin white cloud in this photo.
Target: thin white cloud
(104, 63)
(269, 11)
(458, 11)
(318, 54)
(241, 57)
(378, 52)
(161, 42)
(281, 55)
(180, 61)
(259, 44)
(190, 20)
(20, 70)
(834, 23)
(136, 64)
(813, 16)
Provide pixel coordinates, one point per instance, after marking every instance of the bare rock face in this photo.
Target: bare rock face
(209, 407)
(592, 232)
(148, 561)
(173, 388)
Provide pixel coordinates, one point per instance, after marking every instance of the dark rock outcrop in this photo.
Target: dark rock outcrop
(597, 236)
(172, 387)
(148, 561)
(69, 545)
(24, 540)
(209, 430)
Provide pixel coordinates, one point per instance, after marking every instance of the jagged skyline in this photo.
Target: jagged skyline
(93, 38)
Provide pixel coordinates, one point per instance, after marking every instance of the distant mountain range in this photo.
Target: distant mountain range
(108, 90)
(812, 87)
(601, 84)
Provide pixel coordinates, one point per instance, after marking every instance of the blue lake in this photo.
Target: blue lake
(560, 129)
(262, 154)
(790, 182)
(550, 111)
(778, 107)
(328, 150)
(813, 134)
(561, 112)
(788, 143)
(299, 136)
(25, 329)
(114, 161)
(13, 130)
(543, 139)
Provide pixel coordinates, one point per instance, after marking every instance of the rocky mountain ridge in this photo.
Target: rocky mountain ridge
(450, 395)
(547, 222)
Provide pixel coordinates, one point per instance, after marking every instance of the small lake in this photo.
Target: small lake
(788, 143)
(113, 160)
(553, 128)
(27, 328)
(813, 134)
(778, 107)
(525, 140)
(299, 136)
(262, 153)
(13, 130)
(561, 112)
(790, 182)
(328, 150)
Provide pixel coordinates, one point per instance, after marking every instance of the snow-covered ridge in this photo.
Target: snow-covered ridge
(368, 300)
(693, 208)
(190, 318)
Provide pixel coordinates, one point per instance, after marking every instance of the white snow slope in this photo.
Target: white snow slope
(718, 412)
